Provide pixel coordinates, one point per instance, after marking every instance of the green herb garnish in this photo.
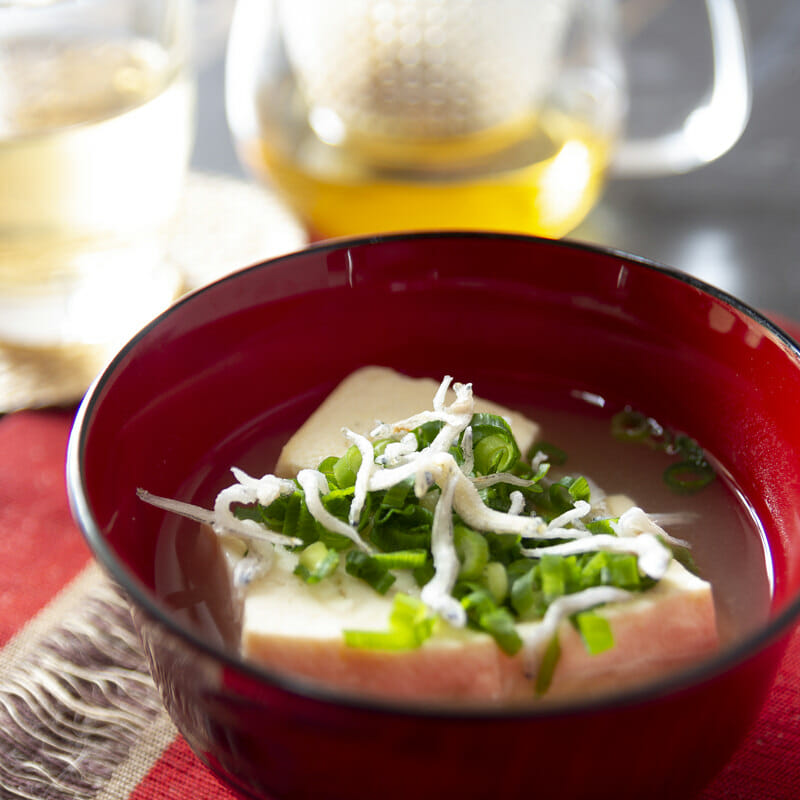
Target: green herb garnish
(472, 550)
(499, 583)
(410, 624)
(316, 562)
(547, 667)
(687, 478)
(370, 570)
(555, 455)
(691, 474)
(595, 631)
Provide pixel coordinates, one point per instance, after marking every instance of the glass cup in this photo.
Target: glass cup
(96, 127)
(380, 115)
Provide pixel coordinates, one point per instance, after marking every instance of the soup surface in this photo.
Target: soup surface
(727, 543)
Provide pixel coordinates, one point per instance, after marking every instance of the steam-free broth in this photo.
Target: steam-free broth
(727, 543)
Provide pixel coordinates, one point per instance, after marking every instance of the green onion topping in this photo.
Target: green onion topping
(316, 562)
(691, 474)
(410, 624)
(486, 554)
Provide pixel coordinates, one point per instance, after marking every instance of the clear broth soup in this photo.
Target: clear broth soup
(727, 541)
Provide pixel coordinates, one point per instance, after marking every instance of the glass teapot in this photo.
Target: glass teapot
(384, 115)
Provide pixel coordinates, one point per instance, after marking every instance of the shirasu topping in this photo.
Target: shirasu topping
(222, 520)
(653, 557)
(443, 470)
(437, 593)
(559, 610)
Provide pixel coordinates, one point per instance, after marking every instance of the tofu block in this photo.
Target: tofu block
(291, 626)
(368, 396)
(669, 627)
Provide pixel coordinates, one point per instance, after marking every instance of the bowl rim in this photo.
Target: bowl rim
(138, 594)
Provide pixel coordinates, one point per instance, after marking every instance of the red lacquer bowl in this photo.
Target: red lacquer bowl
(259, 348)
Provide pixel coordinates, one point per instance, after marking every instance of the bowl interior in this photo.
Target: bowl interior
(257, 351)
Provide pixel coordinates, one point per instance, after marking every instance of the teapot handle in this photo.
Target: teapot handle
(713, 127)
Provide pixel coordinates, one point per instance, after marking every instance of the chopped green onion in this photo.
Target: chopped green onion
(522, 470)
(685, 559)
(623, 571)
(520, 567)
(547, 666)
(559, 495)
(597, 526)
(400, 639)
(495, 579)
(555, 455)
(402, 559)
(686, 477)
(495, 620)
(291, 514)
(397, 495)
(346, 468)
(553, 577)
(492, 454)
(379, 446)
(689, 475)
(425, 573)
(477, 601)
(407, 610)
(503, 547)
(313, 555)
(426, 433)
(496, 585)
(484, 423)
(407, 528)
(326, 468)
(271, 517)
(298, 520)
(368, 569)
(472, 550)
(499, 624)
(595, 632)
(689, 449)
(498, 496)
(579, 489)
(560, 575)
(612, 569)
(316, 562)
(409, 626)
(526, 594)
(338, 502)
(630, 426)
(549, 500)
(493, 444)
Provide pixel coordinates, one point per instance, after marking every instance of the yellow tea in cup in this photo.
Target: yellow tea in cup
(381, 115)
